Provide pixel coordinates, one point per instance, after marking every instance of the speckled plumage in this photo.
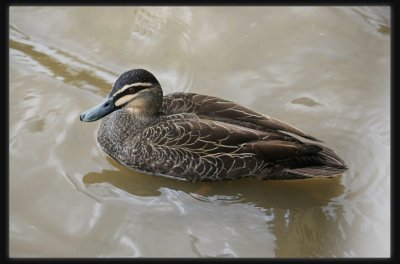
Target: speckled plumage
(204, 138)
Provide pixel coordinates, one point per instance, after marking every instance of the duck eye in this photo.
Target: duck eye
(132, 90)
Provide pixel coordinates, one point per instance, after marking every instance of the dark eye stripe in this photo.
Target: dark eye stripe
(131, 90)
(126, 87)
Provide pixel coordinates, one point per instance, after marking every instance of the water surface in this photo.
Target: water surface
(325, 70)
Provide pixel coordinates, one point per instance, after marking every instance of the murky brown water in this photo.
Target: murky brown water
(325, 70)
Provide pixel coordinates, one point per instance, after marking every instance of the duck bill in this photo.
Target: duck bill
(104, 108)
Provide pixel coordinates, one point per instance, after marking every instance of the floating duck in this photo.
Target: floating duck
(195, 137)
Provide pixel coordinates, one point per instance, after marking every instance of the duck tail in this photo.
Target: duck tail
(313, 172)
(324, 164)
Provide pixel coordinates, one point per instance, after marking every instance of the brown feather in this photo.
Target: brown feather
(226, 111)
(276, 150)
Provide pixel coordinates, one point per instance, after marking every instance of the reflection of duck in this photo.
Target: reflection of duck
(201, 138)
(272, 194)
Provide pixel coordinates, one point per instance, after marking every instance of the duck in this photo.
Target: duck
(194, 137)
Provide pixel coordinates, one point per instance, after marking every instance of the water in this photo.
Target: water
(325, 70)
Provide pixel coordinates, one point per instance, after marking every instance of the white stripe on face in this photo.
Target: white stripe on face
(127, 86)
(124, 99)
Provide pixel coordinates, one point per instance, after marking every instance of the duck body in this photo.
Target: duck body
(196, 137)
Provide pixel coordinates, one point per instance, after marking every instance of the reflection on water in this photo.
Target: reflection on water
(303, 209)
(264, 194)
(309, 66)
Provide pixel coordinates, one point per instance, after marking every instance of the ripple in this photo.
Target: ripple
(184, 28)
(37, 125)
(375, 16)
(306, 101)
(174, 81)
(219, 199)
(365, 198)
(149, 21)
(58, 64)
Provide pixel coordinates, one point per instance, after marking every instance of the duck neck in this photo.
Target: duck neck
(143, 116)
(147, 107)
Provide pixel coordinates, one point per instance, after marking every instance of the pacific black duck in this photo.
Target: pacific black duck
(201, 138)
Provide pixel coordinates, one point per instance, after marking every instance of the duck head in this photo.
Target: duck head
(136, 91)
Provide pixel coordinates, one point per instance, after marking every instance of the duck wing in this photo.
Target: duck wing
(215, 108)
(206, 136)
(187, 146)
